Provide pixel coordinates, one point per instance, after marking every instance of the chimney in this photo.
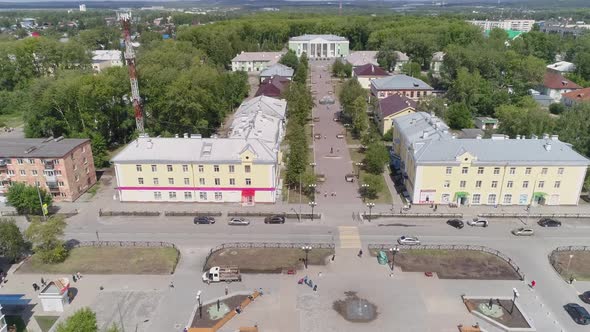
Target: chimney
(517, 136)
(533, 136)
(554, 137)
(185, 135)
(175, 135)
(548, 146)
(545, 136)
(478, 136)
(372, 69)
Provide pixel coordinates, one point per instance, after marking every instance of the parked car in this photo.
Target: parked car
(408, 240)
(578, 313)
(276, 219)
(479, 222)
(239, 221)
(523, 231)
(585, 297)
(204, 220)
(457, 223)
(548, 222)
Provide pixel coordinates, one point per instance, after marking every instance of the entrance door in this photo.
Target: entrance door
(248, 196)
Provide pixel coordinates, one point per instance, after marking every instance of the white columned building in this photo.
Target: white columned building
(320, 46)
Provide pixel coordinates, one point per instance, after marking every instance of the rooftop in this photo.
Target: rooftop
(261, 118)
(400, 82)
(360, 58)
(273, 86)
(107, 55)
(562, 66)
(38, 147)
(578, 95)
(438, 56)
(272, 57)
(554, 80)
(324, 37)
(277, 70)
(369, 70)
(395, 104)
(401, 56)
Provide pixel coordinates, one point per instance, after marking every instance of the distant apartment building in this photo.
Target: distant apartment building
(103, 59)
(404, 85)
(63, 167)
(515, 25)
(438, 168)
(82, 7)
(320, 46)
(255, 61)
(564, 28)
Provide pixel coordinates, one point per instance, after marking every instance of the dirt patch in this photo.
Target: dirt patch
(507, 314)
(355, 309)
(456, 264)
(267, 260)
(579, 266)
(209, 319)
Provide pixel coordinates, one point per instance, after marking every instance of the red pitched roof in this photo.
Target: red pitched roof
(554, 80)
(578, 95)
(273, 87)
(369, 70)
(394, 104)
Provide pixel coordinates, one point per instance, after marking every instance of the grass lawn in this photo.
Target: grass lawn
(46, 322)
(110, 260)
(11, 120)
(384, 196)
(579, 267)
(18, 321)
(267, 260)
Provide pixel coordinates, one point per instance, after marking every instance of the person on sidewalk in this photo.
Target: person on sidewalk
(360, 253)
(533, 284)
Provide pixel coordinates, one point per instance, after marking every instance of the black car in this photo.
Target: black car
(578, 313)
(274, 220)
(585, 297)
(548, 222)
(457, 223)
(204, 220)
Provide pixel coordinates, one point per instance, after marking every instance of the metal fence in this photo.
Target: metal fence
(192, 213)
(412, 215)
(534, 215)
(287, 215)
(553, 256)
(269, 245)
(453, 247)
(144, 244)
(102, 213)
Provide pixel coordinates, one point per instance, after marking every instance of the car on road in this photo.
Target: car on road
(478, 222)
(408, 240)
(578, 313)
(236, 221)
(276, 219)
(523, 231)
(585, 297)
(203, 220)
(457, 223)
(548, 222)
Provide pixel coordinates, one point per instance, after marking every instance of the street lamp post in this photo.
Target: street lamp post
(364, 189)
(312, 204)
(567, 270)
(358, 169)
(307, 249)
(370, 206)
(393, 252)
(312, 187)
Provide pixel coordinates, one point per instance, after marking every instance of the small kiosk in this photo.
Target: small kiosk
(55, 295)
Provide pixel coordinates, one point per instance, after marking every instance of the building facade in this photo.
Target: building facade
(367, 73)
(555, 84)
(404, 85)
(103, 59)
(63, 167)
(320, 46)
(438, 168)
(276, 70)
(516, 25)
(392, 107)
(255, 61)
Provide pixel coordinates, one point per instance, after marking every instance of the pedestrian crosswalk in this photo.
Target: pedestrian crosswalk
(349, 237)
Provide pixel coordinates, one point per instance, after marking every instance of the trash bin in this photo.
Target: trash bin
(382, 258)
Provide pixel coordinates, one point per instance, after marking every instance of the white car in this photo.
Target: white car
(239, 221)
(522, 231)
(408, 240)
(478, 222)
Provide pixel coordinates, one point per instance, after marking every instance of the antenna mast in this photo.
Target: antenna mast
(340, 8)
(125, 19)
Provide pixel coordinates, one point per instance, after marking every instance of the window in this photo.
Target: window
(157, 195)
(154, 168)
(218, 196)
(61, 183)
(188, 195)
(201, 168)
(23, 172)
(494, 184)
(477, 184)
(75, 167)
(447, 184)
(247, 168)
(496, 170)
(156, 181)
(512, 170)
(232, 182)
(203, 195)
(525, 184)
(56, 162)
(57, 172)
(217, 181)
(185, 169)
(85, 160)
(202, 181)
(480, 170)
(248, 181)
(138, 168)
(172, 194)
(31, 161)
(560, 171)
(541, 184)
(449, 170)
(476, 199)
(19, 161)
(140, 180)
(232, 168)
(507, 199)
(34, 172)
(187, 181)
(527, 170)
(169, 168)
(87, 171)
(170, 180)
(509, 184)
(10, 172)
(83, 149)
(544, 170)
(557, 184)
(464, 170)
(492, 199)
(216, 168)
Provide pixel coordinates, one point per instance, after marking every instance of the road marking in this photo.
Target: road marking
(349, 237)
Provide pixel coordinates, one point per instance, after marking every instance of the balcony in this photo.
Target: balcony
(50, 178)
(3, 163)
(53, 186)
(49, 164)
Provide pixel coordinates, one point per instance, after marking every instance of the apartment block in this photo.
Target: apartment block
(515, 25)
(64, 167)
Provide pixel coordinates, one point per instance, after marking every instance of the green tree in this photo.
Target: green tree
(12, 243)
(46, 239)
(25, 198)
(556, 108)
(376, 157)
(573, 126)
(290, 59)
(524, 118)
(433, 104)
(411, 69)
(375, 185)
(82, 320)
(459, 116)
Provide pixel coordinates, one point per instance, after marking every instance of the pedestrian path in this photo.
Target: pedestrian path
(349, 237)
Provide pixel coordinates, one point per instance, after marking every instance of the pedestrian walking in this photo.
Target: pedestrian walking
(171, 284)
(533, 284)
(226, 290)
(331, 150)
(315, 288)
(326, 194)
(333, 256)
(78, 275)
(572, 279)
(74, 277)
(34, 287)
(360, 253)
(42, 282)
